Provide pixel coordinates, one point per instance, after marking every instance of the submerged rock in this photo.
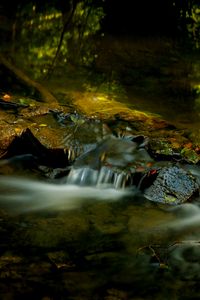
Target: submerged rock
(173, 185)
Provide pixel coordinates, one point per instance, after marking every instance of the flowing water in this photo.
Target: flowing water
(91, 238)
(93, 235)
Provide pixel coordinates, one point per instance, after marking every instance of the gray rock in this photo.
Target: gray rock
(173, 185)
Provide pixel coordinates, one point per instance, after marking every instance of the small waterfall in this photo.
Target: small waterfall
(101, 173)
(103, 177)
(105, 165)
(120, 180)
(83, 177)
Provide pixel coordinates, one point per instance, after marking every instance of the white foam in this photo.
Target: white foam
(28, 195)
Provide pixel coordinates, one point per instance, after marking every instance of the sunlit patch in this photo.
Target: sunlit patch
(103, 106)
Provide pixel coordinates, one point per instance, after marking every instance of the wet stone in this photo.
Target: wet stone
(173, 185)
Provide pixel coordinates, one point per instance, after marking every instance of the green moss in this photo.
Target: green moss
(190, 155)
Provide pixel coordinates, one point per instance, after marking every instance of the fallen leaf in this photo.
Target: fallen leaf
(188, 146)
(18, 130)
(6, 97)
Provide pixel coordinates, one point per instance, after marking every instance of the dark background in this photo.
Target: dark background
(130, 17)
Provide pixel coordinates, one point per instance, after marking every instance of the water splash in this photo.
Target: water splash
(99, 178)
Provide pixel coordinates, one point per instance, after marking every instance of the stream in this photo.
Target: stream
(90, 235)
(89, 229)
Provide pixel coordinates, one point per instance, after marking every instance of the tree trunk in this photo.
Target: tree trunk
(45, 93)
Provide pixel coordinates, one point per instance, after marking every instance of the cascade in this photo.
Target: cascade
(108, 164)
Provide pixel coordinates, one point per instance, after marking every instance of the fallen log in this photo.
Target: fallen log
(46, 95)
